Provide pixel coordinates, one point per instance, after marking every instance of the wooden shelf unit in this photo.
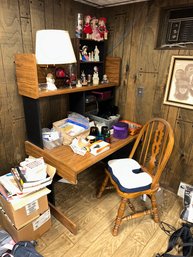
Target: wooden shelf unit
(28, 79)
(29, 75)
(67, 164)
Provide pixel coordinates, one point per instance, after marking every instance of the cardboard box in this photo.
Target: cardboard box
(26, 209)
(32, 231)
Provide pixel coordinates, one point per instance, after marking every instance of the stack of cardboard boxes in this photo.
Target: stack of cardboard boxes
(26, 218)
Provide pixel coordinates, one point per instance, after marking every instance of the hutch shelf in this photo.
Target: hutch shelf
(28, 78)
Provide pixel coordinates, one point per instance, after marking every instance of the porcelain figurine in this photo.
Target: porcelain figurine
(87, 26)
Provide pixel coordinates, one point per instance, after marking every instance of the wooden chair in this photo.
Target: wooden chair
(139, 174)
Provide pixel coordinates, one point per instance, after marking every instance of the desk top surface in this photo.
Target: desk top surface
(69, 164)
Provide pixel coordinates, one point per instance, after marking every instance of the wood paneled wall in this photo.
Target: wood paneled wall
(133, 32)
(19, 21)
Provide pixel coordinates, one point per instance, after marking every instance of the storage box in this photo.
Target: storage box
(67, 139)
(26, 209)
(32, 231)
(109, 123)
(102, 95)
(52, 144)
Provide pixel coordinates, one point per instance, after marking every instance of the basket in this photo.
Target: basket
(67, 139)
(109, 123)
(133, 127)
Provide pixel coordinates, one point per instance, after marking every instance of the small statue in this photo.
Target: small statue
(83, 76)
(78, 83)
(85, 56)
(105, 79)
(96, 54)
(87, 27)
(102, 28)
(95, 77)
(50, 82)
(95, 32)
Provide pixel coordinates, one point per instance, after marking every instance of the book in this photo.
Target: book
(99, 147)
(25, 185)
(33, 169)
(11, 184)
(36, 187)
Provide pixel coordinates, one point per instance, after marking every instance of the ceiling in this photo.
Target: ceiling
(108, 3)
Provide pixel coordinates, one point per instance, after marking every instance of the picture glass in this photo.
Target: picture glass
(179, 88)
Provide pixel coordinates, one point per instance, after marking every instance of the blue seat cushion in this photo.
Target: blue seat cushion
(128, 175)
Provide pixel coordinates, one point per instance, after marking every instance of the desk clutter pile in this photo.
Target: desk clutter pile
(24, 210)
(80, 132)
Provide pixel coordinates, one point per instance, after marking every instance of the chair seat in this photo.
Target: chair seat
(128, 175)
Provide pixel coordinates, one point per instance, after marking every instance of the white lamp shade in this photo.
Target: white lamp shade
(54, 47)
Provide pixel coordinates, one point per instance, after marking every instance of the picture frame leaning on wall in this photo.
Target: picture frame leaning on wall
(179, 87)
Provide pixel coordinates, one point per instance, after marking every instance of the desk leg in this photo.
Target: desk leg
(69, 224)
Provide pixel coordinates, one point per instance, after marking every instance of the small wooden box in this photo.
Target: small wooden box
(134, 128)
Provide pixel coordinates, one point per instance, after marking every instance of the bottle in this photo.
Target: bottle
(79, 25)
(105, 133)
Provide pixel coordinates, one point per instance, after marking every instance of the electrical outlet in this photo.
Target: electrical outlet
(181, 189)
(140, 91)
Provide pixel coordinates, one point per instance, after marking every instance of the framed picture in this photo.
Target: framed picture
(179, 87)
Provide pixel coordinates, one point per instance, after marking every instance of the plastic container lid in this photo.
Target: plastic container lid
(121, 126)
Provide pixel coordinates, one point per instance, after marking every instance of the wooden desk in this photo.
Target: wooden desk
(69, 165)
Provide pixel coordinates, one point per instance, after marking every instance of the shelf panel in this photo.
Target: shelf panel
(75, 89)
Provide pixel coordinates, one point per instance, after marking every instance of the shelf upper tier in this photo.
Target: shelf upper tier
(28, 81)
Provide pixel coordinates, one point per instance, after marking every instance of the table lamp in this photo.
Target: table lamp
(54, 47)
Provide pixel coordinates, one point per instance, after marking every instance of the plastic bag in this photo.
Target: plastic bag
(23, 249)
(6, 241)
(187, 212)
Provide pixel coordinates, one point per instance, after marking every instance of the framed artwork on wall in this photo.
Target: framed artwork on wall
(179, 87)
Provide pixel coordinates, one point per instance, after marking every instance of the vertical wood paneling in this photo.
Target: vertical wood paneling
(149, 69)
(181, 160)
(37, 17)
(144, 102)
(49, 14)
(133, 31)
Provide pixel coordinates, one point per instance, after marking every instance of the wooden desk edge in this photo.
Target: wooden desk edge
(36, 151)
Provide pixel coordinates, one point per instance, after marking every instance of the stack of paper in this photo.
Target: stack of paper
(17, 184)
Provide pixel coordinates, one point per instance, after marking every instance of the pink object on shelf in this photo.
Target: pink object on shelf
(103, 95)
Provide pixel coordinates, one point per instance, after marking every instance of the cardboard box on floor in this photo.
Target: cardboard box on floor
(26, 209)
(32, 231)
(23, 210)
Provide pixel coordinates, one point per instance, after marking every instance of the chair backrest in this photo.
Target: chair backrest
(153, 147)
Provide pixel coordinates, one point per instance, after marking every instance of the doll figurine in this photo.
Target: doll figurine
(95, 32)
(95, 77)
(87, 27)
(96, 54)
(85, 56)
(50, 82)
(102, 28)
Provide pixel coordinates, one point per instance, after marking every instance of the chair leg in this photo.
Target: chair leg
(102, 188)
(154, 208)
(131, 206)
(119, 217)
